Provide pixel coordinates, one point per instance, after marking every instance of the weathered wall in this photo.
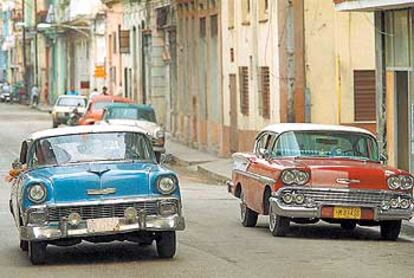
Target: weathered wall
(336, 44)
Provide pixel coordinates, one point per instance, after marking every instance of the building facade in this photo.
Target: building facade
(339, 65)
(394, 75)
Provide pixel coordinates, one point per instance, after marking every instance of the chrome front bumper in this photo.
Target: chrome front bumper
(326, 200)
(62, 229)
(303, 212)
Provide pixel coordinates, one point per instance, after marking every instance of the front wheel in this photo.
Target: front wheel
(390, 230)
(278, 225)
(166, 245)
(37, 252)
(24, 245)
(158, 157)
(248, 217)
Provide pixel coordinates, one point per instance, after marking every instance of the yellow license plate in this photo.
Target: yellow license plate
(347, 213)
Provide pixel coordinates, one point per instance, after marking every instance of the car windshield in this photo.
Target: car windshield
(132, 114)
(71, 101)
(326, 144)
(91, 147)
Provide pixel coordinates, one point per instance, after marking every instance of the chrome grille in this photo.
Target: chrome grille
(101, 211)
(347, 196)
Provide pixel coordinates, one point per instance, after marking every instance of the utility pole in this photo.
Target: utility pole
(291, 67)
(36, 45)
(24, 50)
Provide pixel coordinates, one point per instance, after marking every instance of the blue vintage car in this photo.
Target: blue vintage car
(93, 183)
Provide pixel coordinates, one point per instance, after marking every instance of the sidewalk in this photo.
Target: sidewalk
(217, 169)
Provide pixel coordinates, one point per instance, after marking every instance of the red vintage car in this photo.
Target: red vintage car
(96, 107)
(304, 173)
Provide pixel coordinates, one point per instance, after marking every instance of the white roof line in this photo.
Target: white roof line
(83, 130)
(283, 127)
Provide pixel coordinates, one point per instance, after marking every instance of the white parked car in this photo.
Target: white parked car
(64, 107)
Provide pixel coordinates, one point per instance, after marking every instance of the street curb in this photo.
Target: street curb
(221, 179)
(185, 163)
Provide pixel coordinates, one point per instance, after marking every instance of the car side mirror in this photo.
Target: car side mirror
(166, 158)
(383, 158)
(17, 165)
(264, 153)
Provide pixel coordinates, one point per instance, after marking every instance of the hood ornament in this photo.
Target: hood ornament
(104, 191)
(98, 172)
(346, 181)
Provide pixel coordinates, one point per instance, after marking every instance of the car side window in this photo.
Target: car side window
(23, 153)
(264, 142)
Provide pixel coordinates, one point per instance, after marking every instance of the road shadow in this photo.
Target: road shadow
(100, 253)
(322, 231)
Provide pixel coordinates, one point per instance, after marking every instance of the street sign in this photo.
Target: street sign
(100, 72)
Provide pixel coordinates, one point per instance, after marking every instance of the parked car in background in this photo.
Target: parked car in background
(96, 183)
(5, 97)
(140, 115)
(304, 173)
(96, 107)
(64, 107)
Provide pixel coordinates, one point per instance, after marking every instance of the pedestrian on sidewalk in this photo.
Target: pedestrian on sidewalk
(46, 93)
(35, 96)
(94, 94)
(104, 90)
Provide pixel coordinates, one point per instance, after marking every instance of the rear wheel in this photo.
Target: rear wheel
(348, 225)
(390, 230)
(278, 225)
(166, 245)
(248, 217)
(37, 252)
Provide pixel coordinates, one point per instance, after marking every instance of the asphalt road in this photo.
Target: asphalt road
(214, 243)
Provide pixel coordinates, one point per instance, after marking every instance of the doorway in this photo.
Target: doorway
(402, 119)
(234, 133)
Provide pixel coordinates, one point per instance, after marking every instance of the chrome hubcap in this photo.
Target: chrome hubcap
(272, 220)
(242, 208)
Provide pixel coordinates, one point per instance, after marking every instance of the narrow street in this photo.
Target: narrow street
(214, 243)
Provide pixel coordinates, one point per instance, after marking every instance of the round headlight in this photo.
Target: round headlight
(160, 133)
(407, 182)
(74, 219)
(288, 177)
(37, 193)
(287, 198)
(299, 198)
(394, 182)
(405, 204)
(394, 203)
(302, 177)
(167, 185)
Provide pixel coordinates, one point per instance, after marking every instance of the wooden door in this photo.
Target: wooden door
(234, 136)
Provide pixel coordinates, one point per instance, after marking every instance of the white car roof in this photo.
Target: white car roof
(284, 127)
(71, 96)
(84, 130)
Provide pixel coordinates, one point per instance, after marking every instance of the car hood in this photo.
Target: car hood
(344, 173)
(91, 182)
(149, 127)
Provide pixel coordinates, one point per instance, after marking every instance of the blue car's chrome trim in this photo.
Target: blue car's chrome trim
(107, 202)
(104, 191)
(61, 230)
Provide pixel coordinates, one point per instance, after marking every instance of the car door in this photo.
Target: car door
(16, 186)
(259, 171)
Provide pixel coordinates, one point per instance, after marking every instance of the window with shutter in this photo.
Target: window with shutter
(264, 92)
(364, 95)
(244, 90)
(124, 41)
